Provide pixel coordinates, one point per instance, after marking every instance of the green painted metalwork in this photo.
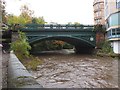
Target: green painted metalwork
(77, 35)
(56, 27)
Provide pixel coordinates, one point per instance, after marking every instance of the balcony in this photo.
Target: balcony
(99, 17)
(98, 1)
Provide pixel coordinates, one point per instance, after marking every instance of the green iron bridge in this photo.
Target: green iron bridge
(83, 37)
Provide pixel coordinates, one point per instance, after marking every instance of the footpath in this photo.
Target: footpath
(0, 70)
(3, 69)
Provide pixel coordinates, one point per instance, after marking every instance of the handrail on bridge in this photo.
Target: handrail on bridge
(56, 26)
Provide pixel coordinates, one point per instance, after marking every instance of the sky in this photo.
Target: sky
(60, 11)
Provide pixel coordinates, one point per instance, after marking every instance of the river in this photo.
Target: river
(65, 69)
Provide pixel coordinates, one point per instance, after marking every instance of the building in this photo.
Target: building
(98, 6)
(112, 21)
(0, 13)
(99, 19)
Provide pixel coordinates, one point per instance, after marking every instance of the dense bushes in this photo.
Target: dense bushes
(50, 45)
(106, 47)
(21, 47)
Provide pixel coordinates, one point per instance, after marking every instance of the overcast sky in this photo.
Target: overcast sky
(60, 11)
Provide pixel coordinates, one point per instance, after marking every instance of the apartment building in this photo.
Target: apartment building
(99, 19)
(112, 21)
(0, 13)
(98, 6)
(2, 10)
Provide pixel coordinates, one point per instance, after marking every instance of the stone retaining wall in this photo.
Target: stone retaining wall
(18, 76)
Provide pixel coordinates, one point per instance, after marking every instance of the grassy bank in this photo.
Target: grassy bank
(113, 55)
(106, 50)
(31, 62)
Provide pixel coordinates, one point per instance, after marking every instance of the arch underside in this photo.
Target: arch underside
(81, 45)
(77, 42)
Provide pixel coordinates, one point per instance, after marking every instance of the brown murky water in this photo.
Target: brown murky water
(68, 70)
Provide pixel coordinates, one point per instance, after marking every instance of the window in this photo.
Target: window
(96, 0)
(98, 21)
(97, 14)
(106, 2)
(113, 31)
(106, 11)
(98, 6)
(118, 31)
(118, 3)
(100, 13)
(109, 33)
(107, 24)
(114, 19)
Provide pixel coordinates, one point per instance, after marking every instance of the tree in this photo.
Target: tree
(69, 23)
(26, 14)
(11, 19)
(99, 28)
(76, 23)
(39, 20)
(2, 11)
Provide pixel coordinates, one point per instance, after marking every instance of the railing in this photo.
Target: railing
(58, 27)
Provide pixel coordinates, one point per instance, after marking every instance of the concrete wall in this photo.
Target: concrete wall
(18, 76)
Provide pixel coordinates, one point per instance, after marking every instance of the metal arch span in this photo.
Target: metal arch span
(81, 42)
(78, 35)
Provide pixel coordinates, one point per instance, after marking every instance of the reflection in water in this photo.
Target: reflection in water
(65, 69)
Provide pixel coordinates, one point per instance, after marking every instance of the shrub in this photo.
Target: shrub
(106, 48)
(21, 47)
(33, 63)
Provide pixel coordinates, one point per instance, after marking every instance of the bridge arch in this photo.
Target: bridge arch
(81, 36)
(80, 44)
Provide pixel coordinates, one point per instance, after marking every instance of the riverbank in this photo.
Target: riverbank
(33, 61)
(108, 55)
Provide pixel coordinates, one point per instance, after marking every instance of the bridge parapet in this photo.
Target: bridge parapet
(56, 27)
